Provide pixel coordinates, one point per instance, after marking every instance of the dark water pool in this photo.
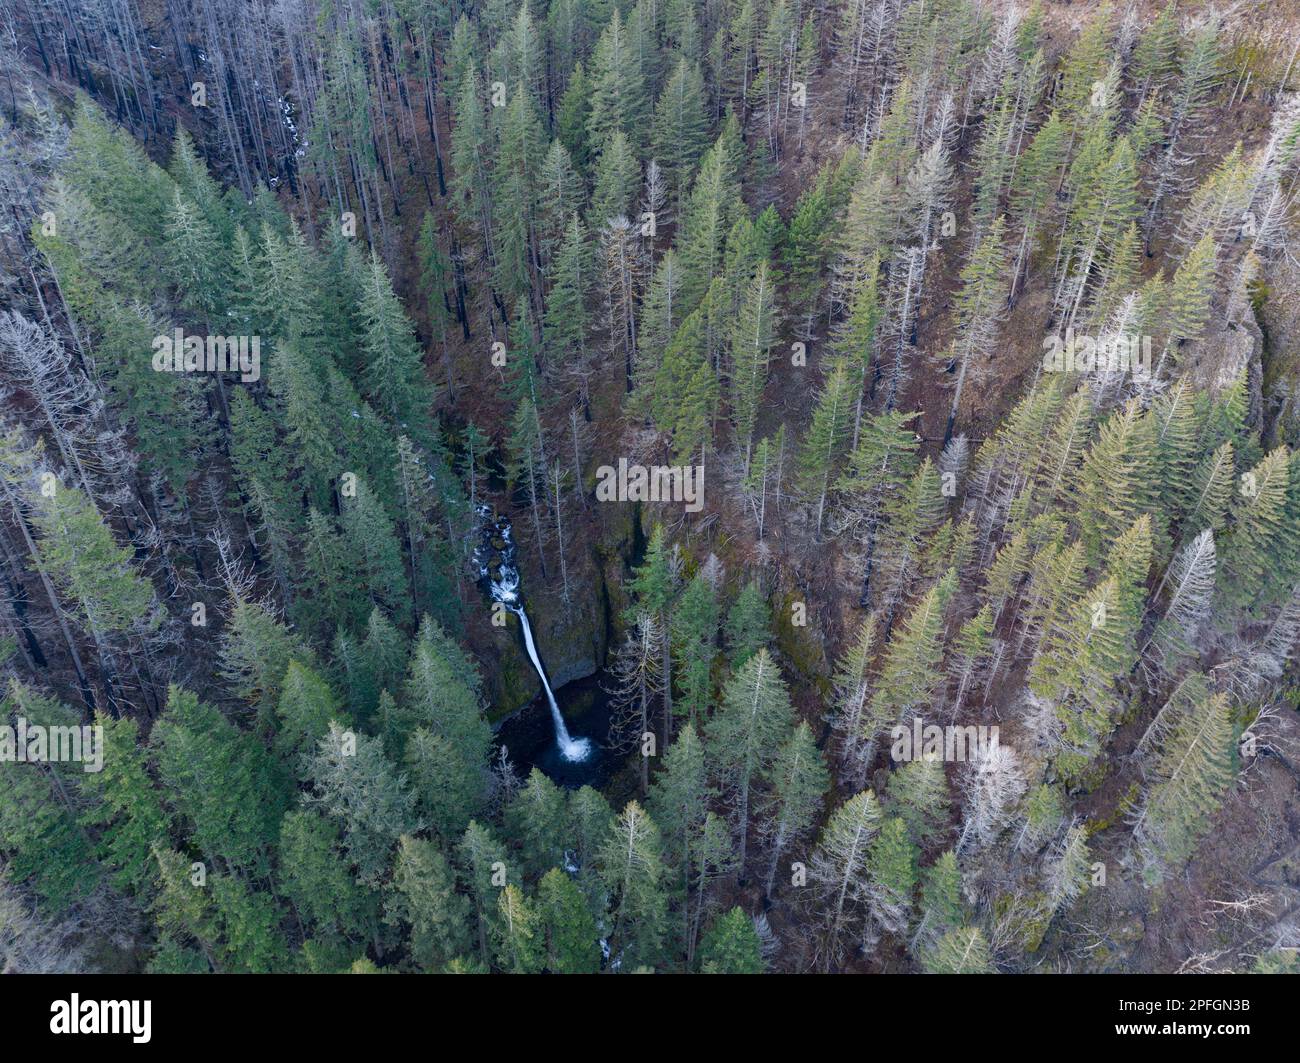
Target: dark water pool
(529, 736)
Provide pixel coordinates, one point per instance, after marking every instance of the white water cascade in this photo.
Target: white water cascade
(572, 749)
(503, 586)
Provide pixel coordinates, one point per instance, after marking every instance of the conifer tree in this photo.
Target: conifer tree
(891, 867)
(917, 794)
(1199, 75)
(654, 588)
(1190, 776)
(695, 630)
(680, 127)
(481, 861)
(572, 940)
(852, 697)
(970, 651)
(838, 868)
(519, 943)
(632, 869)
(536, 817)
(125, 807)
(752, 337)
(748, 626)
(249, 919)
(306, 709)
(314, 878)
(978, 308)
(567, 320)
(440, 726)
(394, 371)
(354, 783)
(710, 210)
(370, 539)
(744, 737)
(617, 95)
(912, 664)
(828, 436)
(1257, 531)
(961, 951)
(590, 822)
(84, 560)
(422, 897)
(572, 118)
(731, 946)
(43, 844)
(255, 653)
(1115, 483)
(618, 176)
(239, 820)
(799, 781)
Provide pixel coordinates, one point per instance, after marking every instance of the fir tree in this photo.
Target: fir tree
(799, 782)
(422, 897)
(572, 945)
(744, 736)
(731, 946)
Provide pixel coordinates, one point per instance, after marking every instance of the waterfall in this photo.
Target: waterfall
(496, 567)
(573, 749)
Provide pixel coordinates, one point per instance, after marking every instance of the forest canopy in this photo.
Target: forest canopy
(713, 486)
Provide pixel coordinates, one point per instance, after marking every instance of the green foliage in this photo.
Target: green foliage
(237, 819)
(731, 946)
(572, 940)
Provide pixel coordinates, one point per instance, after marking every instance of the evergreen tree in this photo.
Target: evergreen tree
(744, 737)
(314, 878)
(799, 782)
(618, 175)
(752, 337)
(125, 806)
(537, 817)
(237, 821)
(912, 669)
(731, 946)
(654, 588)
(838, 867)
(440, 726)
(422, 897)
(917, 795)
(891, 868)
(632, 869)
(354, 783)
(695, 631)
(481, 860)
(306, 709)
(748, 626)
(828, 436)
(680, 128)
(960, 951)
(1190, 776)
(519, 944)
(616, 94)
(572, 945)
(1257, 530)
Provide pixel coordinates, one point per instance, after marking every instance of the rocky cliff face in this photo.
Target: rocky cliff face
(573, 638)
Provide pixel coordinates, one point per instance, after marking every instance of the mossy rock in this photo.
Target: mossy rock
(1027, 917)
(798, 645)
